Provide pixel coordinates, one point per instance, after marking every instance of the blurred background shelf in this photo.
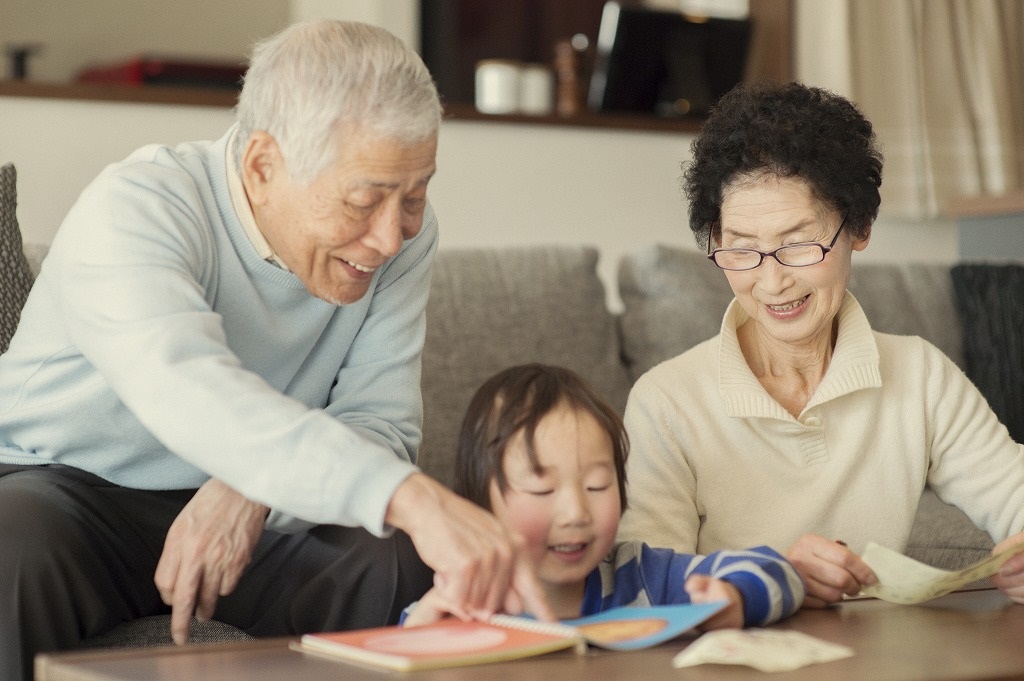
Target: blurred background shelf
(166, 94)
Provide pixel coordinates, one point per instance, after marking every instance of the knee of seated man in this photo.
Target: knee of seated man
(43, 513)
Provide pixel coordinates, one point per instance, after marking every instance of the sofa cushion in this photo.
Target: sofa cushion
(675, 298)
(492, 308)
(990, 299)
(910, 299)
(672, 300)
(944, 536)
(15, 275)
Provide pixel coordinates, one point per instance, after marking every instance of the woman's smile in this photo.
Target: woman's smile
(787, 310)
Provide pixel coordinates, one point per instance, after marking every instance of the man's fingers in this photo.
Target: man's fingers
(467, 546)
(229, 580)
(530, 593)
(181, 615)
(166, 574)
(496, 578)
(183, 604)
(207, 601)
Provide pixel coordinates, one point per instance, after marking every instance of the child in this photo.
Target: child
(542, 451)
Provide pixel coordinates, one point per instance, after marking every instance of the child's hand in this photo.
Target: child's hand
(431, 608)
(705, 589)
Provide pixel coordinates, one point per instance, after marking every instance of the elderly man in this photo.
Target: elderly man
(212, 402)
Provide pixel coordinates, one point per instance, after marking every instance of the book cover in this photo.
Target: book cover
(451, 642)
(447, 643)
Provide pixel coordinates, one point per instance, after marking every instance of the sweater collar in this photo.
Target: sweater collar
(854, 365)
(240, 202)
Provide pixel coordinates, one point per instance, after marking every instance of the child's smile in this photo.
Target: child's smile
(569, 552)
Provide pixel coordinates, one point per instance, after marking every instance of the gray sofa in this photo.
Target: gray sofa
(492, 308)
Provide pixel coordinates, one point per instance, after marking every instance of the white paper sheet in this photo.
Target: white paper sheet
(905, 580)
(769, 650)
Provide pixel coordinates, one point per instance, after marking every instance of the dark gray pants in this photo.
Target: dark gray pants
(77, 557)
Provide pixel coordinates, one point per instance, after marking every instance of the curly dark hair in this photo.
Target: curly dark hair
(785, 130)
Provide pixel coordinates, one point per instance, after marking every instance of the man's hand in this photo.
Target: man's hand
(433, 607)
(1010, 578)
(479, 568)
(207, 549)
(828, 569)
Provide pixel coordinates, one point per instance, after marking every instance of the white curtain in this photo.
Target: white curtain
(941, 80)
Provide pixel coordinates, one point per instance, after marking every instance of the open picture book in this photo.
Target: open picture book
(452, 642)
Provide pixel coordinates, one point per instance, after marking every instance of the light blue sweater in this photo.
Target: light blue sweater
(157, 349)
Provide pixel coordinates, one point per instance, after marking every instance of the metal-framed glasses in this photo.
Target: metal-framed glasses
(791, 255)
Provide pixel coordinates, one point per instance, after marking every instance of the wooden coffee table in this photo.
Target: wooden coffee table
(966, 635)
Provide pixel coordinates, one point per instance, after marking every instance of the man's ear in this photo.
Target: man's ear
(261, 163)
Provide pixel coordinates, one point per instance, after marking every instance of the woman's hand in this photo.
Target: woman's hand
(1010, 578)
(706, 589)
(829, 569)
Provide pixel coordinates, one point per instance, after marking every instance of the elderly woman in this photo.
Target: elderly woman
(798, 426)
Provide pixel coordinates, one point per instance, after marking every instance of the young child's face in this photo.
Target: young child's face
(568, 513)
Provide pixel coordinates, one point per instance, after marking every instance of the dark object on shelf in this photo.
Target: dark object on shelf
(457, 34)
(665, 63)
(19, 54)
(148, 70)
(568, 95)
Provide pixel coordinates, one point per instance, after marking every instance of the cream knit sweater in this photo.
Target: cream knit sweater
(716, 463)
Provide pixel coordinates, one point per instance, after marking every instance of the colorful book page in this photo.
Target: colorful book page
(632, 628)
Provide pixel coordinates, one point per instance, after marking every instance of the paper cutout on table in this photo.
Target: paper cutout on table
(453, 643)
(904, 580)
(768, 650)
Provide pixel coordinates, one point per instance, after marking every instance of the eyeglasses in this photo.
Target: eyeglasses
(791, 255)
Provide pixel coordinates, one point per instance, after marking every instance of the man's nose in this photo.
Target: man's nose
(385, 233)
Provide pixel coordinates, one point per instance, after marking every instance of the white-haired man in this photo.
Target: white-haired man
(212, 402)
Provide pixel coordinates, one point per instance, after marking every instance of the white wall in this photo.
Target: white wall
(497, 184)
(401, 17)
(76, 33)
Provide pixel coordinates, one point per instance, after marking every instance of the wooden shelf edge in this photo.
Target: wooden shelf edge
(160, 94)
(151, 94)
(584, 119)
